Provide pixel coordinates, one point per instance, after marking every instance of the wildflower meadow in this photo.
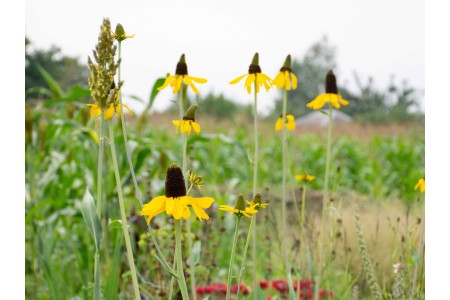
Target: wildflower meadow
(184, 204)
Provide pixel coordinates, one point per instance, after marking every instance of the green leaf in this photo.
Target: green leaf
(116, 224)
(51, 82)
(196, 249)
(159, 82)
(166, 266)
(323, 112)
(91, 218)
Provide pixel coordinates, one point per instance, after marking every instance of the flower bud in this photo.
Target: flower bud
(240, 203)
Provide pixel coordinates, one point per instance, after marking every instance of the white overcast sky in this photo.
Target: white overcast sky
(374, 38)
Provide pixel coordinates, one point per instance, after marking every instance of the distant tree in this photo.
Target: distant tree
(218, 106)
(310, 72)
(367, 104)
(67, 71)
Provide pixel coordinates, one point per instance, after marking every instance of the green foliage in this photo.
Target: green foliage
(218, 106)
(68, 70)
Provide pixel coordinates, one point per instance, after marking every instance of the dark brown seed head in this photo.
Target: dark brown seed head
(330, 83)
(175, 186)
(181, 66)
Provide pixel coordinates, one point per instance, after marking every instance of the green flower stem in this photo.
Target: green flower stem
(122, 213)
(133, 175)
(247, 242)
(101, 149)
(124, 131)
(179, 260)
(324, 202)
(97, 289)
(255, 187)
(302, 222)
(233, 250)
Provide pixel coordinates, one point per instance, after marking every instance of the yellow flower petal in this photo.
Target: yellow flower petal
(178, 83)
(94, 110)
(154, 207)
(196, 127)
(166, 82)
(110, 112)
(249, 81)
(288, 81)
(310, 178)
(199, 80)
(290, 124)
(236, 80)
(278, 81)
(300, 177)
(294, 81)
(227, 208)
(279, 124)
(128, 108)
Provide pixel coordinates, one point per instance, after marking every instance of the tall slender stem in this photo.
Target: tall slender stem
(302, 225)
(124, 131)
(101, 150)
(324, 203)
(97, 268)
(247, 242)
(255, 187)
(233, 250)
(179, 260)
(133, 175)
(122, 213)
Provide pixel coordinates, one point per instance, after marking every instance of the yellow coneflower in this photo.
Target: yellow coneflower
(290, 123)
(420, 184)
(188, 123)
(254, 75)
(331, 95)
(120, 34)
(256, 202)
(285, 78)
(239, 208)
(181, 75)
(175, 202)
(305, 177)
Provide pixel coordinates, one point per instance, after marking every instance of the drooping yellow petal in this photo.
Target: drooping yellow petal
(196, 127)
(249, 81)
(178, 209)
(198, 80)
(200, 213)
(290, 124)
(203, 202)
(310, 178)
(294, 81)
(94, 110)
(170, 203)
(177, 123)
(110, 112)
(279, 124)
(186, 213)
(299, 177)
(166, 82)
(318, 102)
(194, 88)
(227, 208)
(178, 83)
(236, 80)
(288, 81)
(342, 101)
(278, 81)
(186, 127)
(154, 207)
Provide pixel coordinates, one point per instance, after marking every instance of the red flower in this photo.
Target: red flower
(210, 289)
(263, 284)
(244, 290)
(280, 285)
(200, 290)
(324, 294)
(220, 288)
